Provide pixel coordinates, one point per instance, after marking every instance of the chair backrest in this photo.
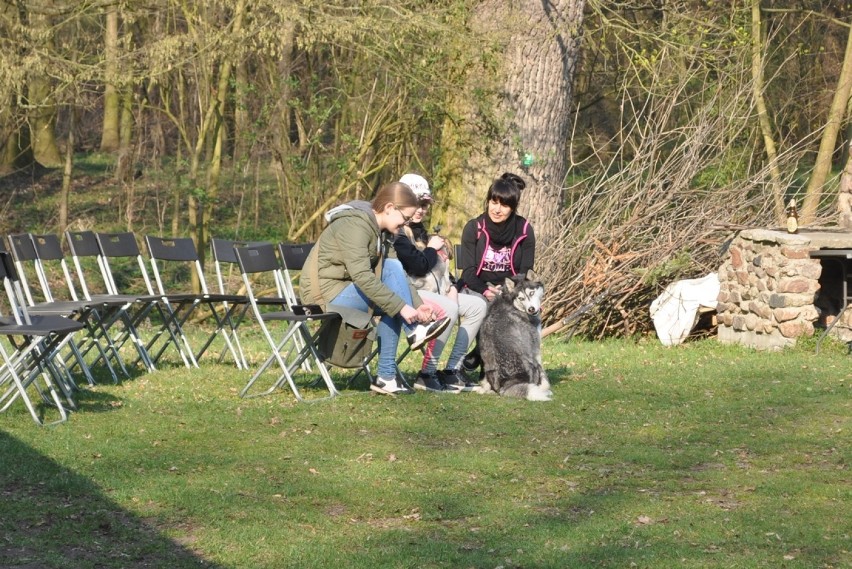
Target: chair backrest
(225, 262)
(49, 251)
(23, 253)
(259, 262)
(122, 245)
(293, 256)
(83, 243)
(173, 260)
(257, 258)
(84, 248)
(171, 248)
(22, 247)
(48, 247)
(12, 285)
(50, 261)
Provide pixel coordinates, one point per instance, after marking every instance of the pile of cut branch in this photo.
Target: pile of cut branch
(662, 209)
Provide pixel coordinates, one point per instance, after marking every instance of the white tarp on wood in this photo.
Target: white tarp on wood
(675, 312)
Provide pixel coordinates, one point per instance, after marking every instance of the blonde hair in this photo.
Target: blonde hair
(396, 193)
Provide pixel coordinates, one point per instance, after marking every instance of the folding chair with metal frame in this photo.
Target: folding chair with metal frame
(225, 258)
(35, 355)
(293, 257)
(261, 259)
(123, 245)
(18, 302)
(24, 251)
(178, 253)
(84, 246)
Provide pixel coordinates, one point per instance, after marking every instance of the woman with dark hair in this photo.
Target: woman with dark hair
(344, 261)
(497, 244)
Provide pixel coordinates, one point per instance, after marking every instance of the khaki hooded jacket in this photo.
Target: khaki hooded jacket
(348, 251)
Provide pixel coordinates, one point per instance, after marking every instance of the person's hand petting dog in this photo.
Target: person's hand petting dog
(436, 242)
(493, 291)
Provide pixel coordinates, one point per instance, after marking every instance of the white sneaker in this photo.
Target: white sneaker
(422, 333)
(389, 387)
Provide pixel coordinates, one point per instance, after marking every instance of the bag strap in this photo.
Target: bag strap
(315, 275)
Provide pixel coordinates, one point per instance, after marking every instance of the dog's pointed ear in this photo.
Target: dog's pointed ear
(508, 285)
(531, 276)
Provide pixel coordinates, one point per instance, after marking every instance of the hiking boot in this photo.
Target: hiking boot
(456, 381)
(422, 333)
(390, 387)
(429, 382)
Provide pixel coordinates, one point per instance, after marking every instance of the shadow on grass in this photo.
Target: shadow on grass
(556, 375)
(53, 518)
(92, 401)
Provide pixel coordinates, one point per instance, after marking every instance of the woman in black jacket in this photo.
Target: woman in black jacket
(497, 244)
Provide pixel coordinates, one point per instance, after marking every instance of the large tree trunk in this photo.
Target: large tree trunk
(42, 118)
(15, 149)
(42, 105)
(112, 104)
(531, 105)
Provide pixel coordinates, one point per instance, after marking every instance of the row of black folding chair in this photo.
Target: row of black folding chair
(33, 256)
(103, 303)
(100, 309)
(122, 250)
(172, 306)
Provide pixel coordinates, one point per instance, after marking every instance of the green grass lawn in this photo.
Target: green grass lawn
(696, 456)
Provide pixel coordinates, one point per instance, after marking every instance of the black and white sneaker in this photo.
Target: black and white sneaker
(455, 381)
(429, 382)
(422, 333)
(390, 387)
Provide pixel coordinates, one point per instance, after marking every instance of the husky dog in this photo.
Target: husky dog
(510, 341)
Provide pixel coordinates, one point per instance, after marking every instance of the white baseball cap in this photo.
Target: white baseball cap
(419, 185)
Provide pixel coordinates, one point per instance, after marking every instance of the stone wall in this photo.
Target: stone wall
(768, 284)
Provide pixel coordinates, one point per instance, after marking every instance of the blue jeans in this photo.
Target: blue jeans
(390, 327)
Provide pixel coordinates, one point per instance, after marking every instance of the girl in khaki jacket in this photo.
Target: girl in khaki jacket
(346, 255)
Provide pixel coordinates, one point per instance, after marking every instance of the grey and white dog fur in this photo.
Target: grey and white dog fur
(510, 341)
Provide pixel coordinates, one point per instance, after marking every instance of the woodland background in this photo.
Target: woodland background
(648, 131)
